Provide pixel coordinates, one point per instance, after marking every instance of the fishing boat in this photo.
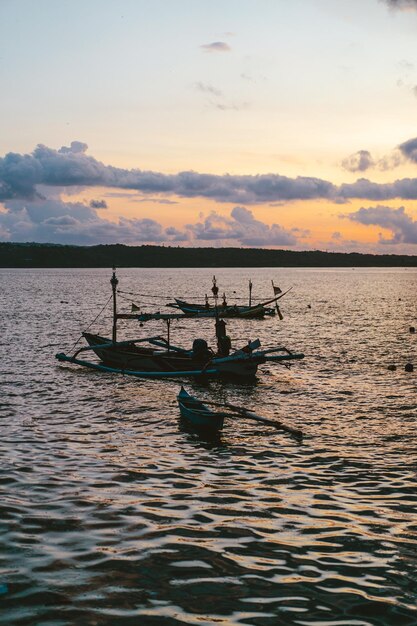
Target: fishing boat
(200, 416)
(161, 359)
(257, 311)
(197, 414)
(222, 309)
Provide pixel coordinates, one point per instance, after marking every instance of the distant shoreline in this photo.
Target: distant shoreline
(35, 255)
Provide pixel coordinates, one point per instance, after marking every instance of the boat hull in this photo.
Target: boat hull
(138, 358)
(197, 414)
(245, 312)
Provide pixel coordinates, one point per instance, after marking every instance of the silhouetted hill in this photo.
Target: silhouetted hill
(51, 255)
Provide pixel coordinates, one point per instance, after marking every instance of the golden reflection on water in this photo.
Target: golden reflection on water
(111, 512)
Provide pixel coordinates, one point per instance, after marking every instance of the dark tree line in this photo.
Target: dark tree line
(51, 255)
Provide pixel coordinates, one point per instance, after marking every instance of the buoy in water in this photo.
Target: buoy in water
(412, 329)
(409, 367)
(392, 368)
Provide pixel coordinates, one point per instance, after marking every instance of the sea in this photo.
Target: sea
(113, 513)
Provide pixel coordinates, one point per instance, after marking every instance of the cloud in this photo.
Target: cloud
(242, 227)
(54, 221)
(402, 5)
(409, 149)
(363, 188)
(206, 88)
(153, 200)
(216, 98)
(358, 162)
(76, 147)
(232, 106)
(362, 160)
(51, 220)
(402, 226)
(21, 176)
(98, 204)
(32, 176)
(216, 46)
(390, 161)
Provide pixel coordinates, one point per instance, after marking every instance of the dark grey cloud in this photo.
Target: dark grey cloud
(409, 149)
(21, 175)
(30, 176)
(98, 204)
(216, 46)
(358, 162)
(405, 188)
(402, 5)
(401, 225)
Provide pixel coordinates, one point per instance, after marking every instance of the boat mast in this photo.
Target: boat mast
(114, 282)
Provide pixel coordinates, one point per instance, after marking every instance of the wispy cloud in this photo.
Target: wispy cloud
(206, 88)
(217, 99)
(358, 162)
(216, 46)
(232, 106)
(362, 160)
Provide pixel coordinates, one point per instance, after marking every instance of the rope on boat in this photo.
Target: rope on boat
(89, 326)
(189, 298)
(132, 301)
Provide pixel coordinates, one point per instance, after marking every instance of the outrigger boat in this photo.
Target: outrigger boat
(250, 311)
(164, 360)
(201, 417)
(201, 310)
(197, 414)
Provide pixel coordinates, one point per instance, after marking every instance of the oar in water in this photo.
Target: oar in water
(253, 416)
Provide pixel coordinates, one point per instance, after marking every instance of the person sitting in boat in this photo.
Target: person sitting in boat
(207, 305)
(224, 344)
(223, 341)
(201, 350)
(224, 303)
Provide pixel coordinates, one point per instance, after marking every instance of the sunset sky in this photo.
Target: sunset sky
(266, 123)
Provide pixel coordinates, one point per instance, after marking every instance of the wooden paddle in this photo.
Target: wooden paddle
(253, 416)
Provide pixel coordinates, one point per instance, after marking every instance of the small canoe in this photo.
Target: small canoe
(197, 414)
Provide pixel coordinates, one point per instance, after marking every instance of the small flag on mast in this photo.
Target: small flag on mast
(277, 290)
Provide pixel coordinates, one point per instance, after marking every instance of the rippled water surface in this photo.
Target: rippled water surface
(110, 513)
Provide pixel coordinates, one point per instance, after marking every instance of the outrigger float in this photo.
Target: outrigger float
(164, 360)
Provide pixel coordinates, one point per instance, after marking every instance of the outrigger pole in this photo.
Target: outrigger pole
(114, 282)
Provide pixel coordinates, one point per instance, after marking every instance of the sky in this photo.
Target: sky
(244, 123)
